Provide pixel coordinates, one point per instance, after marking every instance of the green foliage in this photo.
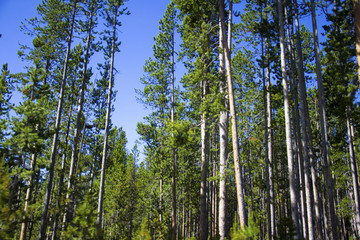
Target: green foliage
(8, 218)
(249, 232)
(84, 223)
(143, 233)
(6, 85)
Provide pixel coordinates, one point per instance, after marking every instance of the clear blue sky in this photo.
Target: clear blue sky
(137, 32)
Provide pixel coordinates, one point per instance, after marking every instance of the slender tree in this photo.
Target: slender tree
(356, 13)
(223, 132)
(238, 177)
(324, 133)
(289, 151)
(57, 126)
(92, 8)
(113, 12)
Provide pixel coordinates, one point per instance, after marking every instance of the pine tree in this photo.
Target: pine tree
(112, 13)
(57, 125)
(292, 183)
(5, 96)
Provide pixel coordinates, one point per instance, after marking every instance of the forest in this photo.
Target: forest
(256, 138)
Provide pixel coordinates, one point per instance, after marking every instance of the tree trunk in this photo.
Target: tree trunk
(269, 136)
(323, 130)
(43, 226)
(292, 185)
(356, 9)
(299, 157)
(204, 169)
(223, 132)
(79, 116)
(215, 192)
(173, 157)
(305, 128)
(353, 173)
(100, 211)
(28, 196)
(61, 178)
(238, 177)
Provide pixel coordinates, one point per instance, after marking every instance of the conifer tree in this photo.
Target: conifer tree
(159, 95)
(92, 7)
(292, 183)
(200, 18)
(238, 177)
(57, 125)
(340, 71)
(5, 96)
(112, 13)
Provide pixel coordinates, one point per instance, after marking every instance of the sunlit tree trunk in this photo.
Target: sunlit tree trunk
(305, 128)
(100, 211)
(269, 136)
(235, 143)
(204, 169)
(79, 115)
(28, 196)
(173, 157)
(223, 132)
(48, 192)
(292, 179)
(353, 171)
(61, 177)
(323, 130)
(356, 9)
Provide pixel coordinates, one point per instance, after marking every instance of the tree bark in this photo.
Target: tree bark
(235, 143)
(204, 169)
(323, 129)
(173, 156)
(79, 116)
(298, 156)
(353, 172)
(78, 123)
(223, 132)
(43, 226)
(269, 136)
(61, 178)
(356, 9)
(305, 128)
(99, 219)
(28, 196)
(292, 184)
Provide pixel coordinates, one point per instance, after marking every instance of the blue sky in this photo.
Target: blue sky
(137, 32)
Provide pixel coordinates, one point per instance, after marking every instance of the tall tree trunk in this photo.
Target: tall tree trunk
(215, 190)
(173, 157)
(299, 157)
(289, 151)
(204, 169)
(319, 228)
(305, 127)
(48, 192)
(353, 172)
(235, 143)
(79, 116)
(323, 130)
(356, 9)
(61, 178)
(223, 132)
(269, 139)
(28, 196)
(100, 211)
(161, 196)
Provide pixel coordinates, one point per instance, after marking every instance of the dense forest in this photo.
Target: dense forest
(256, 138)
